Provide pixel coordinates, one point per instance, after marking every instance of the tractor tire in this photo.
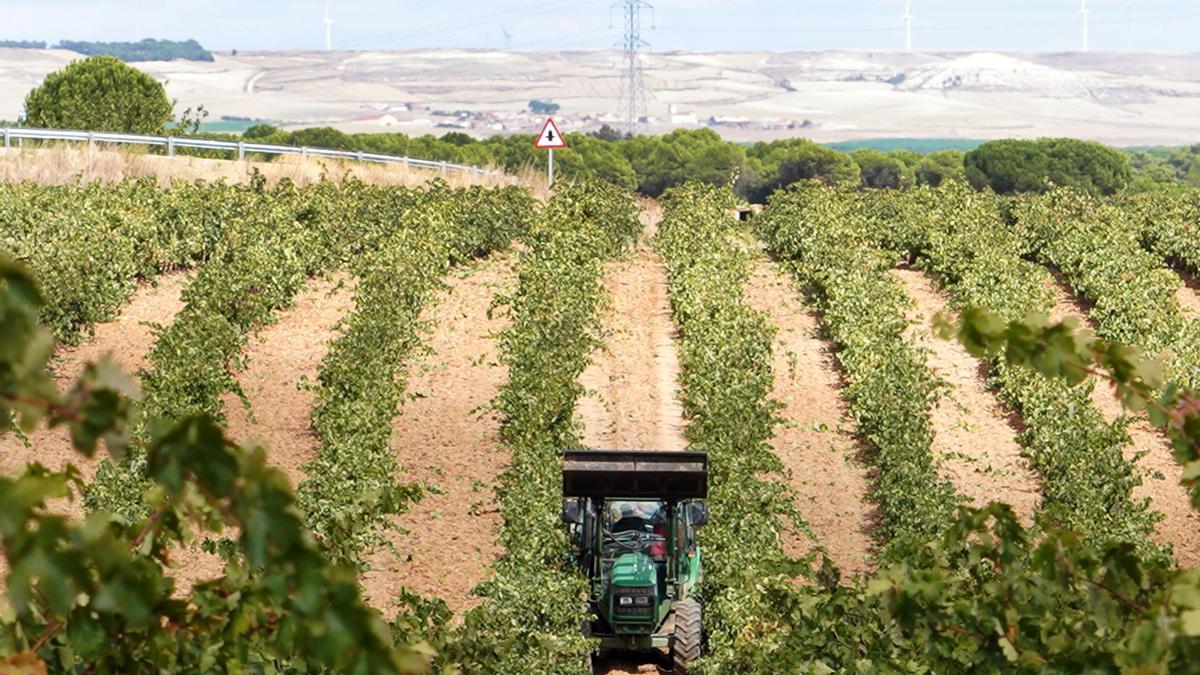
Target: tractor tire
(689, 635)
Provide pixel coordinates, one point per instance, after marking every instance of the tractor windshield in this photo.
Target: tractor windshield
(639, 525)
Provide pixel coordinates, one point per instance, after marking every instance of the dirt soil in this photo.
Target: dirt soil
(974, 434)
(633, 379)
(280, 358)
(127, 340)
(1180, 525)
(447, 435)
(283, 360)
(816, 444)
(1188, 294)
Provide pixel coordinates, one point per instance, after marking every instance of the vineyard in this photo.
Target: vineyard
(319, 428)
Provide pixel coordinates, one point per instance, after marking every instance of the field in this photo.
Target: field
(413, 358)
(1119, 98)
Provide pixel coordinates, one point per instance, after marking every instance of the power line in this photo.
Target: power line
(633, 84)
(571, 39)
(458, 23)
(935, 28)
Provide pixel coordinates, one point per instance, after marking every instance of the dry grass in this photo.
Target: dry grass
(68, 164)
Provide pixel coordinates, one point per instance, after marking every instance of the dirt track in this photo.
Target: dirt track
(633, 379)
(1159, 471)
(974, 434)
(816, 442)
(447, 435)
(281, 359)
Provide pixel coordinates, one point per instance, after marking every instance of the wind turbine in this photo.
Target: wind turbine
(1084, 12)
(507, 37)
(908, 17)
(328, 29)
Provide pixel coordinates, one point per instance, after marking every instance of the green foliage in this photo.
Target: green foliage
(823, 235)
(148, 49)
(261, 261)
(321, 137)
(22, 44)
(661, 162)
(1087, 483)
(543, 107)
(882, 171)
(351, 489)
(90, 245)
(1169, 226)
(1012, 166)
(1167, 167)
(938, 167)
(94, 596)
(726, 382)
(533, 605)
(779, 164)
(99, 94)
(986, 594)
(956, 590)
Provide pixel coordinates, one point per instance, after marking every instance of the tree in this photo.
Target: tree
(1007, 166)
(543, 107)
(882, 171)
(1013, 166)
(323, 137)
(785, 162)
(99, 94)
(260, 131)
(607, 133)
(661, 162)
(938, 167)
(1086, 164)
(146, 50)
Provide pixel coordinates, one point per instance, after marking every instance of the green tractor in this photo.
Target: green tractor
(633, 519)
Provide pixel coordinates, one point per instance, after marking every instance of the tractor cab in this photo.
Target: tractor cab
(633, 519)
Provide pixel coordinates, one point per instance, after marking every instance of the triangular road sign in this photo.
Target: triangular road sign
(550, 136)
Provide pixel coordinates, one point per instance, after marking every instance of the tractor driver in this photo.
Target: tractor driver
(631, 519)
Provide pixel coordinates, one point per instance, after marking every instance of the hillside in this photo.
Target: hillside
(1123, 99)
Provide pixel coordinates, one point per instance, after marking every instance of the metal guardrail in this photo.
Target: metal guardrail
(171, 143)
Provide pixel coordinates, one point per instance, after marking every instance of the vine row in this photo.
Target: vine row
(726, 381)
(1087, 484)
(821, 234)
(532, 611)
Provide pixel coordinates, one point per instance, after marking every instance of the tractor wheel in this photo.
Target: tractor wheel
(689, 630)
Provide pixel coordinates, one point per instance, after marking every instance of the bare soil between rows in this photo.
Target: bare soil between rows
(282, 366)
(1158, 470)
(974, 438)
(127, 340)
(447, 436)
(816, 442)
(632, 401)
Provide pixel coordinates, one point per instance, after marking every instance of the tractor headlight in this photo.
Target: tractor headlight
(624, 600)
(642, 600)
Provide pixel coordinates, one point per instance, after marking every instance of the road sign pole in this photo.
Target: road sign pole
(550, 169)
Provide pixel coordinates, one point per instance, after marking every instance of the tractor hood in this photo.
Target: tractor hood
(634, 569)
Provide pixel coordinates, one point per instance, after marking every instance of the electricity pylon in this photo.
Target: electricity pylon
(633, 84)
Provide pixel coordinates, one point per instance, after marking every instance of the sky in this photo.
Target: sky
(696, 25)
